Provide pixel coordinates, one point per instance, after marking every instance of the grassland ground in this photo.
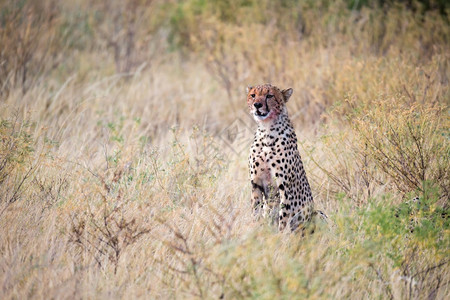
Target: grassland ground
(124, 138)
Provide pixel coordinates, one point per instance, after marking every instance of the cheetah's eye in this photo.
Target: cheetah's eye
(253, 95)
(269, 96)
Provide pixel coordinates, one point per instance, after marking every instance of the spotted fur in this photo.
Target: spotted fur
(280, 188)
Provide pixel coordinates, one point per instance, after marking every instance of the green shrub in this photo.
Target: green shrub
(16, 153)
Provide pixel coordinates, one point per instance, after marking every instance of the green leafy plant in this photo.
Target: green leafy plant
(16, 152)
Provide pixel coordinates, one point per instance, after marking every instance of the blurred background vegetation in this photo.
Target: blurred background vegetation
(116, 182)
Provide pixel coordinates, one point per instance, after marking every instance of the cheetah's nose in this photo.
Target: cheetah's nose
(258, 105)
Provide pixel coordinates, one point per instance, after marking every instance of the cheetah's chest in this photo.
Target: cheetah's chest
(265, 167)
(268, 158)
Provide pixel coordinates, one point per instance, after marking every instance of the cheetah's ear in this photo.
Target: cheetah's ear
(287, 93)
(248, 89)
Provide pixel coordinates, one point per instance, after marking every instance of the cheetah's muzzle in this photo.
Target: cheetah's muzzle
(261, 114)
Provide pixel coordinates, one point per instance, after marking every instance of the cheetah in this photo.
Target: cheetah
(280, 189)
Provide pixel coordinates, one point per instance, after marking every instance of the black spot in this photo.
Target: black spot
(281, 187)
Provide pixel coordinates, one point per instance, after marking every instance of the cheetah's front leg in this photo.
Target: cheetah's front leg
(257, 198)
(284, 212)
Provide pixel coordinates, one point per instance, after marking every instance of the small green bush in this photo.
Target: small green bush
(16, 149)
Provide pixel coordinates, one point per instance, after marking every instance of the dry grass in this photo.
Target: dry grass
(123, 154)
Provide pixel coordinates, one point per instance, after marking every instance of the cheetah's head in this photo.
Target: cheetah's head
(266, 102)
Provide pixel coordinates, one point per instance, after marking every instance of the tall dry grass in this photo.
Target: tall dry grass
(123, 148)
